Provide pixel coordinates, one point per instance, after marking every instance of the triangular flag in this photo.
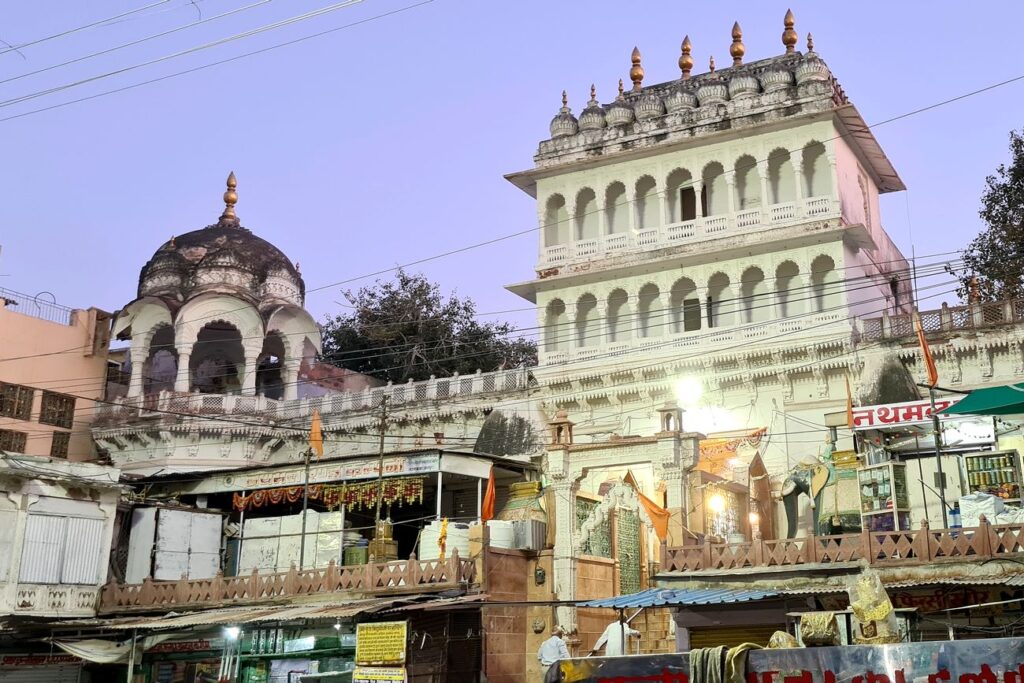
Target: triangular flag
(442, 539)
(487, 509)
(316, 437)
(659, 515)
(926, 353)
(849, 405)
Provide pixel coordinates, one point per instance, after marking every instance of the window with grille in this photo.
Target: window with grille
(13, 441)
(57, 410)
(16, 401)
(59, 445)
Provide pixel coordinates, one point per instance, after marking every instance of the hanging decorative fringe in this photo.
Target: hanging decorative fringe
(397, 491)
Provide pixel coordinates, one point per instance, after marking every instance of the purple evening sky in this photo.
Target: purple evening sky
(386, 142)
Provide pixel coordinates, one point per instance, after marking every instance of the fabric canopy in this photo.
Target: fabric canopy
(1005, 400)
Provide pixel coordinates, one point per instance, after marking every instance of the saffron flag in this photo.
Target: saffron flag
(849, 405)
(442, 539)
(659, 516)
(316, 437)
(926, 353)
(487, 509)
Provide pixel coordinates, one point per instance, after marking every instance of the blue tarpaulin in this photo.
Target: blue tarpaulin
(659, 597)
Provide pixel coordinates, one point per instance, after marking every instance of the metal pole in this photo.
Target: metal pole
(241, 538)
(380, 465)
(439, 493)
(341, 538)
(937, 429)
(920, 478)
(479, 500)
(131, 656)
(305, 505)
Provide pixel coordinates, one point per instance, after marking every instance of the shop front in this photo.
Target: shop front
(43, 668)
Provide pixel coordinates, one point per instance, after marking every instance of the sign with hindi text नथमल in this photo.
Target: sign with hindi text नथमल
(895, 414)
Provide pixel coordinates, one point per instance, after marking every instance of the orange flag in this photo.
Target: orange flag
(487, 509)
(926, 352)
(849, 405)
(659, 515)
(316, 437)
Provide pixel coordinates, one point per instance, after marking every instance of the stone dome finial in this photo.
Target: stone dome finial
(564, 122)
(621, 90)
(593, 93)
(636, 72)
(737, 50)
(565, 99)
(789, 36)
(230, 199)
(685, 60)
(592, 118)
(810, 43)
(170, 242)
(711, 64)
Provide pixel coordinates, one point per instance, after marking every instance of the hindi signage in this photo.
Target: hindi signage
(896, 414)
(379, 674)
(381, 644)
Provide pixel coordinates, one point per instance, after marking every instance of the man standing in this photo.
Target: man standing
(614, 638)
(552, 650)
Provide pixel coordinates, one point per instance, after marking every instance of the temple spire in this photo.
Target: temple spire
(636, 72)
(737, 49)
(230, 199)
(789, 36)
(685, 59)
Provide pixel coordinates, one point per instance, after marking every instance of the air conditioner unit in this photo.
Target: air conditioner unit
(529, 534)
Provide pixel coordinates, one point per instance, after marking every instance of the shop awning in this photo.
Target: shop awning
(661, 597)
(1005, 400)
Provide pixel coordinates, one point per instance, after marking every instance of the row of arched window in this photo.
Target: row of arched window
(681, 196)
(651, 312)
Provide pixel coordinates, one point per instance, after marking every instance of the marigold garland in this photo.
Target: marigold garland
(400, 491)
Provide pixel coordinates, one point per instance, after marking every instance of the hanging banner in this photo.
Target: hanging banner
(381, 644)
(396, 490)
(379, 674)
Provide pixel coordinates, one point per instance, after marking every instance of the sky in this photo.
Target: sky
(386, 142)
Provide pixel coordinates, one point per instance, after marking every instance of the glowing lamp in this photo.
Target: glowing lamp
(717, 503)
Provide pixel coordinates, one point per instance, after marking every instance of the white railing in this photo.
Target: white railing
(741, 222)
(171, 404)
(719, 338)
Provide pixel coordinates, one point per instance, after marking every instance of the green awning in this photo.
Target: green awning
(1005, 400)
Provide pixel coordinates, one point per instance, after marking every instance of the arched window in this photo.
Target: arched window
(748, 184)
(680, 195)
(646, 204)
(161, 367)
(816, 171)
(269, 365)
(716, 197)
(652, 321)
(555, 327)
(755, 303)
(620, 318)
(788, 292)
(721, 301)
(615, 209)
(556, 221)
(217, 365)
(685, 304)
(587, 333)
(781, 180)
(587, 223)
(825, 285)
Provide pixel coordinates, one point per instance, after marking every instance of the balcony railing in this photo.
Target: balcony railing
(741, 222)
(28, 304)
(405, 576)
(170, 403)
(946, 319)
(890, 548)
(56, 600)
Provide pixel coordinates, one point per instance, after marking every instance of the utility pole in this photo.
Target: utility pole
(305, 504)
(380, 470)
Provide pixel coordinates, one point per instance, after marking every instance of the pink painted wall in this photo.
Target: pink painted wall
(69, 359)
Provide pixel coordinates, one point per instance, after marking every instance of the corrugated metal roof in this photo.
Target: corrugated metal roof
(659, 597)
(245, 615)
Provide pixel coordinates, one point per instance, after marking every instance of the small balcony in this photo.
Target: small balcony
(945, 320)
(691, 231)
(382, 578)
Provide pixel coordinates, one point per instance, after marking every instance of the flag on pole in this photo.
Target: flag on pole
(487, 509)
(849, 405)
(926, 353)
(658, 515)
(316, 437)
(442, 539)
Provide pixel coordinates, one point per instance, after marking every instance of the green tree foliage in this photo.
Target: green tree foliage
(996, 256)
(406, 328)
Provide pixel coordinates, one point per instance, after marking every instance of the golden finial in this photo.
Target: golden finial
(711, 64)
(620, 90)
(636, 73)
(789, 36)
(736, 49)
(565, 99)
(810, 43)
(685, 60)
(230, 199)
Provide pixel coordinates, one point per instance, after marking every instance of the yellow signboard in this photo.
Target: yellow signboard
(381, 644)
(377, 674)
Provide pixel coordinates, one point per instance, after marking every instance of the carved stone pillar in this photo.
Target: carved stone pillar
(249, 376)
(730, 183)
(698, 190)
(290, 377)
(138, 357)
(762, 175)
(183, 377)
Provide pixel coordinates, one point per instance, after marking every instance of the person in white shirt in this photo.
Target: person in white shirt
(614, 637)
(552, 650)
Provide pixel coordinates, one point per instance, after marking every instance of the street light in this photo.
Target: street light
(232, 632)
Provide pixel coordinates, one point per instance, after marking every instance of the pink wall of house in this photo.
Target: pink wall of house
(39, 351)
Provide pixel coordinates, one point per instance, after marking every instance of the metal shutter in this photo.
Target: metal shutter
(41, 551)
(731, 636)
(82, 551)
(65, 673)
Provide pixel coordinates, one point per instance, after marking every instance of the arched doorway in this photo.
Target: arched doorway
(218, 360)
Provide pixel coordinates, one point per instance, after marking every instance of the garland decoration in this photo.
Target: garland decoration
(397, 491)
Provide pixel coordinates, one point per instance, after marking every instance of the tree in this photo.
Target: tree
(406, 328)
(995, 258)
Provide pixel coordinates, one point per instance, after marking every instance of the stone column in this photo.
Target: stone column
(631, 205)
(798, 175)
(183, 378)
(762, 174)
(290, 377)
(698, 191)
(249, 374)
(138, 355)
(730, 183)
(564, 565)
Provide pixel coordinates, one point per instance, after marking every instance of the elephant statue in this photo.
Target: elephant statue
(808, 480)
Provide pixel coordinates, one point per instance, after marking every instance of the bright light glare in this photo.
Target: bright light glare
(717, 503)
(232, 632)
(688, 391)
(754, 517)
